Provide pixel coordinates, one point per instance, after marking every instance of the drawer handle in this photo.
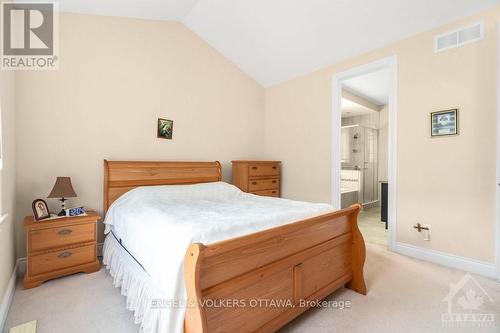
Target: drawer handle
(274, 182)
(254, 183)
(65, 232)
(274, 167)
(254, 168)
(273, 192)
(65, 255)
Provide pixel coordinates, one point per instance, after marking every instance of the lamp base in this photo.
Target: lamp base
(63, 211)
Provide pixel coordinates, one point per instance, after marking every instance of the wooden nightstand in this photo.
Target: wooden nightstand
(60, 247)
(257, 177)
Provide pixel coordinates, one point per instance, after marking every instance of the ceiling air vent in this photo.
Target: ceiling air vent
(459, 37)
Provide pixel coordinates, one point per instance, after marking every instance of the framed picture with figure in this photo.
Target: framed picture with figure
(40, 209)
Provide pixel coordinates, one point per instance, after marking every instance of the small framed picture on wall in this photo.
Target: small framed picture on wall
(444, 123)
(165, 128)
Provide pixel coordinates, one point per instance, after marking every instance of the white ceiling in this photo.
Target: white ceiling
(352, 109)
(374, 87)
(276, 40)
(170, 10)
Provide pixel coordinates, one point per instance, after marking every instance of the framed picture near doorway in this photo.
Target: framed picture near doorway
(444, 123)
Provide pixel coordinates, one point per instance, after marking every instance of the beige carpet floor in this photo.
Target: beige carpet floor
(404, 295)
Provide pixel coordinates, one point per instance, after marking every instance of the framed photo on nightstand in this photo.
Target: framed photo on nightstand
(40, 209)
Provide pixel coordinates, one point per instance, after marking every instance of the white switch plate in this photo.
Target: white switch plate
(3, 218)
(427, 233)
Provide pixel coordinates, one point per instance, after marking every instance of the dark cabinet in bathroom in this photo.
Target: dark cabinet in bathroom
(384, 202)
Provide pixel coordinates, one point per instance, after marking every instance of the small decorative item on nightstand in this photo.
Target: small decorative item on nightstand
(40, 210)
(75, 211)
(59, 247)
(62, 189)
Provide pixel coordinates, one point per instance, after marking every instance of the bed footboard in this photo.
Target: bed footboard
(260, 282)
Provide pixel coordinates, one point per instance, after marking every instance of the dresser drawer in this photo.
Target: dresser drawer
(62, 236)
(267, 193)
(263, 184)
(53, 261)
(269, 169)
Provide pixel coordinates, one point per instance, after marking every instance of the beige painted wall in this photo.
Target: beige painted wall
(448, 183)
(7, 179)
(116, 77)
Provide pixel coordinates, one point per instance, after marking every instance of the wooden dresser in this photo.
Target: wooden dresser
(60, 247)
(258, 177)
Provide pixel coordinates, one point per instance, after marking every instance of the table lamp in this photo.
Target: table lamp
(62, 189)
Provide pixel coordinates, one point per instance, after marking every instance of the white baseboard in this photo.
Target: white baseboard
(8, 296)
(488, 269)
(21, 266)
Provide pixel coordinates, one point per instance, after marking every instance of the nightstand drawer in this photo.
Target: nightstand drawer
(61, 236)
(268, 193)
(50, 262)
(263, 184)
(268, 169)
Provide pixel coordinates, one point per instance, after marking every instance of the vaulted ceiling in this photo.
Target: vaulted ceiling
(276, 40)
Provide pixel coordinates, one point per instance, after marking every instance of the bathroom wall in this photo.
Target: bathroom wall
(367, 120)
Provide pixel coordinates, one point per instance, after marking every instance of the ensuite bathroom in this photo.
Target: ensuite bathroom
(360, 165)
(364, 151)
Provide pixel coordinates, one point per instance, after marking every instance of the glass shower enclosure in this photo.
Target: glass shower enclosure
(359, 152)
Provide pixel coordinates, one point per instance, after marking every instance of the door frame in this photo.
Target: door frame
(497, 233)
(390, 63)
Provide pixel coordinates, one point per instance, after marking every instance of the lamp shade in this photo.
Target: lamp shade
(62, 188)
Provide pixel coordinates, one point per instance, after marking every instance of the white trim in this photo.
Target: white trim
(458, 44)
(487, 269)
(392, 154)
(497, 237)
(8, 297)
(336, 141)
(3, 218)
(21, 266)
(390, 63)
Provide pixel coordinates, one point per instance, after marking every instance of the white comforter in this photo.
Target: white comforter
(158, 223)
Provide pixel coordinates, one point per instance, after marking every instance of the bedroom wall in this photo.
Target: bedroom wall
(7, 180)
(448, 183)
(116, 77)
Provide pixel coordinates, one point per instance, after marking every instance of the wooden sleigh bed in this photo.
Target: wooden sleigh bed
(274, 274)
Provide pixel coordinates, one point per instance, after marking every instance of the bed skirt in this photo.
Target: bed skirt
(135, 284)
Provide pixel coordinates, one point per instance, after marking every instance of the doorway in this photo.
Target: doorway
(364, 147)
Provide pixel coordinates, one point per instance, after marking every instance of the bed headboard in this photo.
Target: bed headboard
(123, 176)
